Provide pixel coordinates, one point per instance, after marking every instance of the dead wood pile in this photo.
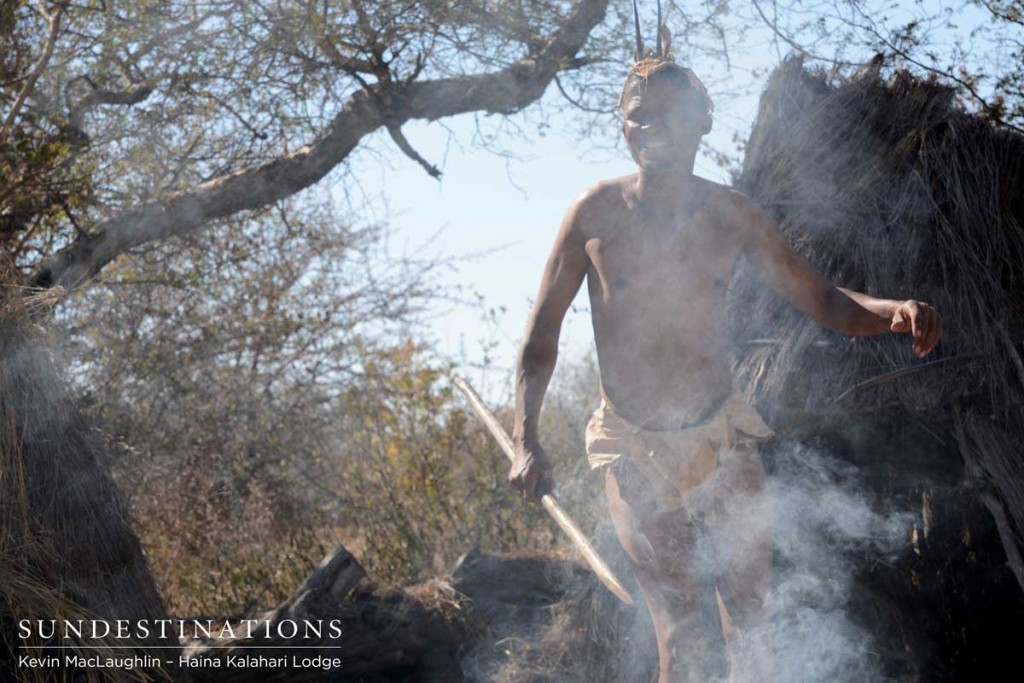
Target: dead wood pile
(492, 618)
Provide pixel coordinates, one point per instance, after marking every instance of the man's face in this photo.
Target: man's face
(663, 122)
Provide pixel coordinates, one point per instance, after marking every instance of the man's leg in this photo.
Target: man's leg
(742, 536)
(661, 547)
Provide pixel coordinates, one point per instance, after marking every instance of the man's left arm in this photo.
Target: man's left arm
(793, 277)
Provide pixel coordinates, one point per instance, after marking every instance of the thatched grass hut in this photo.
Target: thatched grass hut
(67, 549)
(889, 187)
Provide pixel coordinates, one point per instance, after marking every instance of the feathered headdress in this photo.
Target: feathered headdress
(650, 61)
(663, 43)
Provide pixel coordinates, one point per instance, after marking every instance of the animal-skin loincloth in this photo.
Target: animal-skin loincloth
(675, 462)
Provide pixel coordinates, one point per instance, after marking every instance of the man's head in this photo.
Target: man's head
(665, 110)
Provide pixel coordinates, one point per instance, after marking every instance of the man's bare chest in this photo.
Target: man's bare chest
(660, 267)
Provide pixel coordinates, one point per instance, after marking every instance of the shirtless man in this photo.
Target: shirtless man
(657, 249)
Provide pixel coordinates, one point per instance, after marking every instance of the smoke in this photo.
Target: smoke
(824, 531)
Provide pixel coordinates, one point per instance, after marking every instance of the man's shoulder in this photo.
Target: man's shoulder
(721, 198)
(731, 208)
(601, 203)
(606, 193)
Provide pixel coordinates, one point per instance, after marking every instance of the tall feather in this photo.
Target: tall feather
(639, 41)
(658, 51)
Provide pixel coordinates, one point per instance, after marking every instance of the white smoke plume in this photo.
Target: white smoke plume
(824, 529)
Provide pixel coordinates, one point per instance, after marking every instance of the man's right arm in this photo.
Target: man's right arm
(563, 275)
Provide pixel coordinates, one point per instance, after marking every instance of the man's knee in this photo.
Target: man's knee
(741, 610)
(693, 648)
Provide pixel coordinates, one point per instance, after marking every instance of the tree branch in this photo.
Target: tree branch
(53, 20)
(964, 83)
(100, 96)
(788, 40)
(503, 92)
(403, 144)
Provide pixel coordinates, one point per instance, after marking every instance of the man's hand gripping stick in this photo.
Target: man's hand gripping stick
(582, 543)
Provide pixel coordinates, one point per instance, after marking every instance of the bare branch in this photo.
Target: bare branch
(407, 149)
(53, 19)
(788, 40)
(100, 96)
(503, 92)
(577, 103)
(963, 83)
(139, 91)
(161, 39)
(1000, 12)
(348, 64)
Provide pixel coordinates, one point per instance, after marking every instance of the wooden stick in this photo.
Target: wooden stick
(582, 543)
(902, 372)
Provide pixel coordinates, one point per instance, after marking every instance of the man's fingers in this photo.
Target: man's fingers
(538, 483)
(922, 322)
(936, 329)
(530, 475)
(923, 332)
(515, 479)
(530, 484)
(545, 484)
(930, 326)
(899, 323)
(927, 326)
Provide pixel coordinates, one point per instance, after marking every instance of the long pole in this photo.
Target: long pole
(582, 543)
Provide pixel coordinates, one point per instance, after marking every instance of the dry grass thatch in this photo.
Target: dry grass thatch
(67, 550)
(888, 187)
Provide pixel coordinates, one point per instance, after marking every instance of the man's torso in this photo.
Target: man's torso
(657, 289)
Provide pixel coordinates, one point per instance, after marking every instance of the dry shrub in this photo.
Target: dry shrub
(420, 478)
(219, 552)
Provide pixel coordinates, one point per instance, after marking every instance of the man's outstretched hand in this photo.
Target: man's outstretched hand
(922, 321)
(531, 472)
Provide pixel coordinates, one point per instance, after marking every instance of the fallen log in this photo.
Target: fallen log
(331, 628)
